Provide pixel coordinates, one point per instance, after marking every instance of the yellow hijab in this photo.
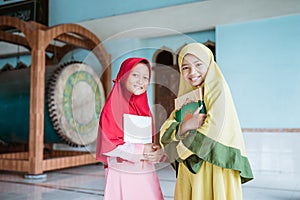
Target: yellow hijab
(222, 122)
(219, 140)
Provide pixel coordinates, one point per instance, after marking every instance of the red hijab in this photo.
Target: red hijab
(119, 102)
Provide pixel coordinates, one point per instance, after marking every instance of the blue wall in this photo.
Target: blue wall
(124, 48)
(260, 60)
(13, 60)
(72, 11)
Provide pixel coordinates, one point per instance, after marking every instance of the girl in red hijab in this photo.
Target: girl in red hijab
(130, 172)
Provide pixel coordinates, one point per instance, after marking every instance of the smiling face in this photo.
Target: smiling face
(193, 70)
(138, 80)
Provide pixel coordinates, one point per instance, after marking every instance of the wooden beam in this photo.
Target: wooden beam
(21, 41)
(14, 165)
(78, 40)
(81, 43)
(37, 102)
(69, 161)
(14, 39)
(17, 155)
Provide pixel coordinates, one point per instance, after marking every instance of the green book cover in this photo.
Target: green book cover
(188, 109)
(188, 103)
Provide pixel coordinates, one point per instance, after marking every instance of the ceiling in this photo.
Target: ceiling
(192, 17)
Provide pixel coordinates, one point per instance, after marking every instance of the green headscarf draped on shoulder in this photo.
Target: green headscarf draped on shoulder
(219, 140)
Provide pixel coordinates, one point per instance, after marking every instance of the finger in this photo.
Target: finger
(156, 146)
(197, 111)
(200, 108)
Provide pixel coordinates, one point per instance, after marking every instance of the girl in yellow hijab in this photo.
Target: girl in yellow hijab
(207, 151)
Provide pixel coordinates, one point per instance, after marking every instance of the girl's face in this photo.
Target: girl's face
(193, 70)
(138, 80)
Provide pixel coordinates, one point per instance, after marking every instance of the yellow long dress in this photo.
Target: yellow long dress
(210, 162)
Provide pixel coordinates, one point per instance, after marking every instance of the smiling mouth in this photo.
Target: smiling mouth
(139, 87)
(193, 79)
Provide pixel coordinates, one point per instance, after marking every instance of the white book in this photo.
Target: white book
(137, 129)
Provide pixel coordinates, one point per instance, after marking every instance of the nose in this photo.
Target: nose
(193, 70)
(140, 80)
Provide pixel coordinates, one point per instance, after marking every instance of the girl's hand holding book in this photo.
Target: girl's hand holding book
(196, 120)
(153, 152)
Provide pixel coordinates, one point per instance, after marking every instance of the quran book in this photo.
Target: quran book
(137, 129)
(188, 103)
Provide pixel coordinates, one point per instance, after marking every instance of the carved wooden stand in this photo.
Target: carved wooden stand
(37, 39)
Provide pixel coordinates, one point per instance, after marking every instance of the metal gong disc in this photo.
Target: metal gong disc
(75, 100)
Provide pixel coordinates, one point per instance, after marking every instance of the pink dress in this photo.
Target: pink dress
(132, 178)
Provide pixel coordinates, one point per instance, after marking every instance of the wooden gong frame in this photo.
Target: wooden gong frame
(36, 39)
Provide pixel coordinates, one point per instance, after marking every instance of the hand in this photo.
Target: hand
(194, 122)
(153, 154)
(148, 148)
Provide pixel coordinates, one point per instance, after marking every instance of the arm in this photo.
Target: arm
(128, 151)
(200, 141)
(173, 132)
(193, 123)
(137, 152)
(153, 153)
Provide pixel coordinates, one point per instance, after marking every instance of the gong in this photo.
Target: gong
(74, 98)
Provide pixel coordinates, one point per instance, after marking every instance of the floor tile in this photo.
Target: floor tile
(87, 183)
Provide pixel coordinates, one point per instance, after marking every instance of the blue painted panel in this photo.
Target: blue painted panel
(260, 60)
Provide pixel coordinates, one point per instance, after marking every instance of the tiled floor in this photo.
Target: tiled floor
(87, 183)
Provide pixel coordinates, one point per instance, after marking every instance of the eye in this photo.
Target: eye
(184, 67)
(134, 74)
(198, 64)
(146, 78)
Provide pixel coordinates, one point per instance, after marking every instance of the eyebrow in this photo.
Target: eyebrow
(197, 61)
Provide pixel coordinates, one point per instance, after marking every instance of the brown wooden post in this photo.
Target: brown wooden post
(105, 61)
(106, 78)
(37, 92)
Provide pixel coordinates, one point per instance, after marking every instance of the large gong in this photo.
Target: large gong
(75, 100)
(74, 97)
